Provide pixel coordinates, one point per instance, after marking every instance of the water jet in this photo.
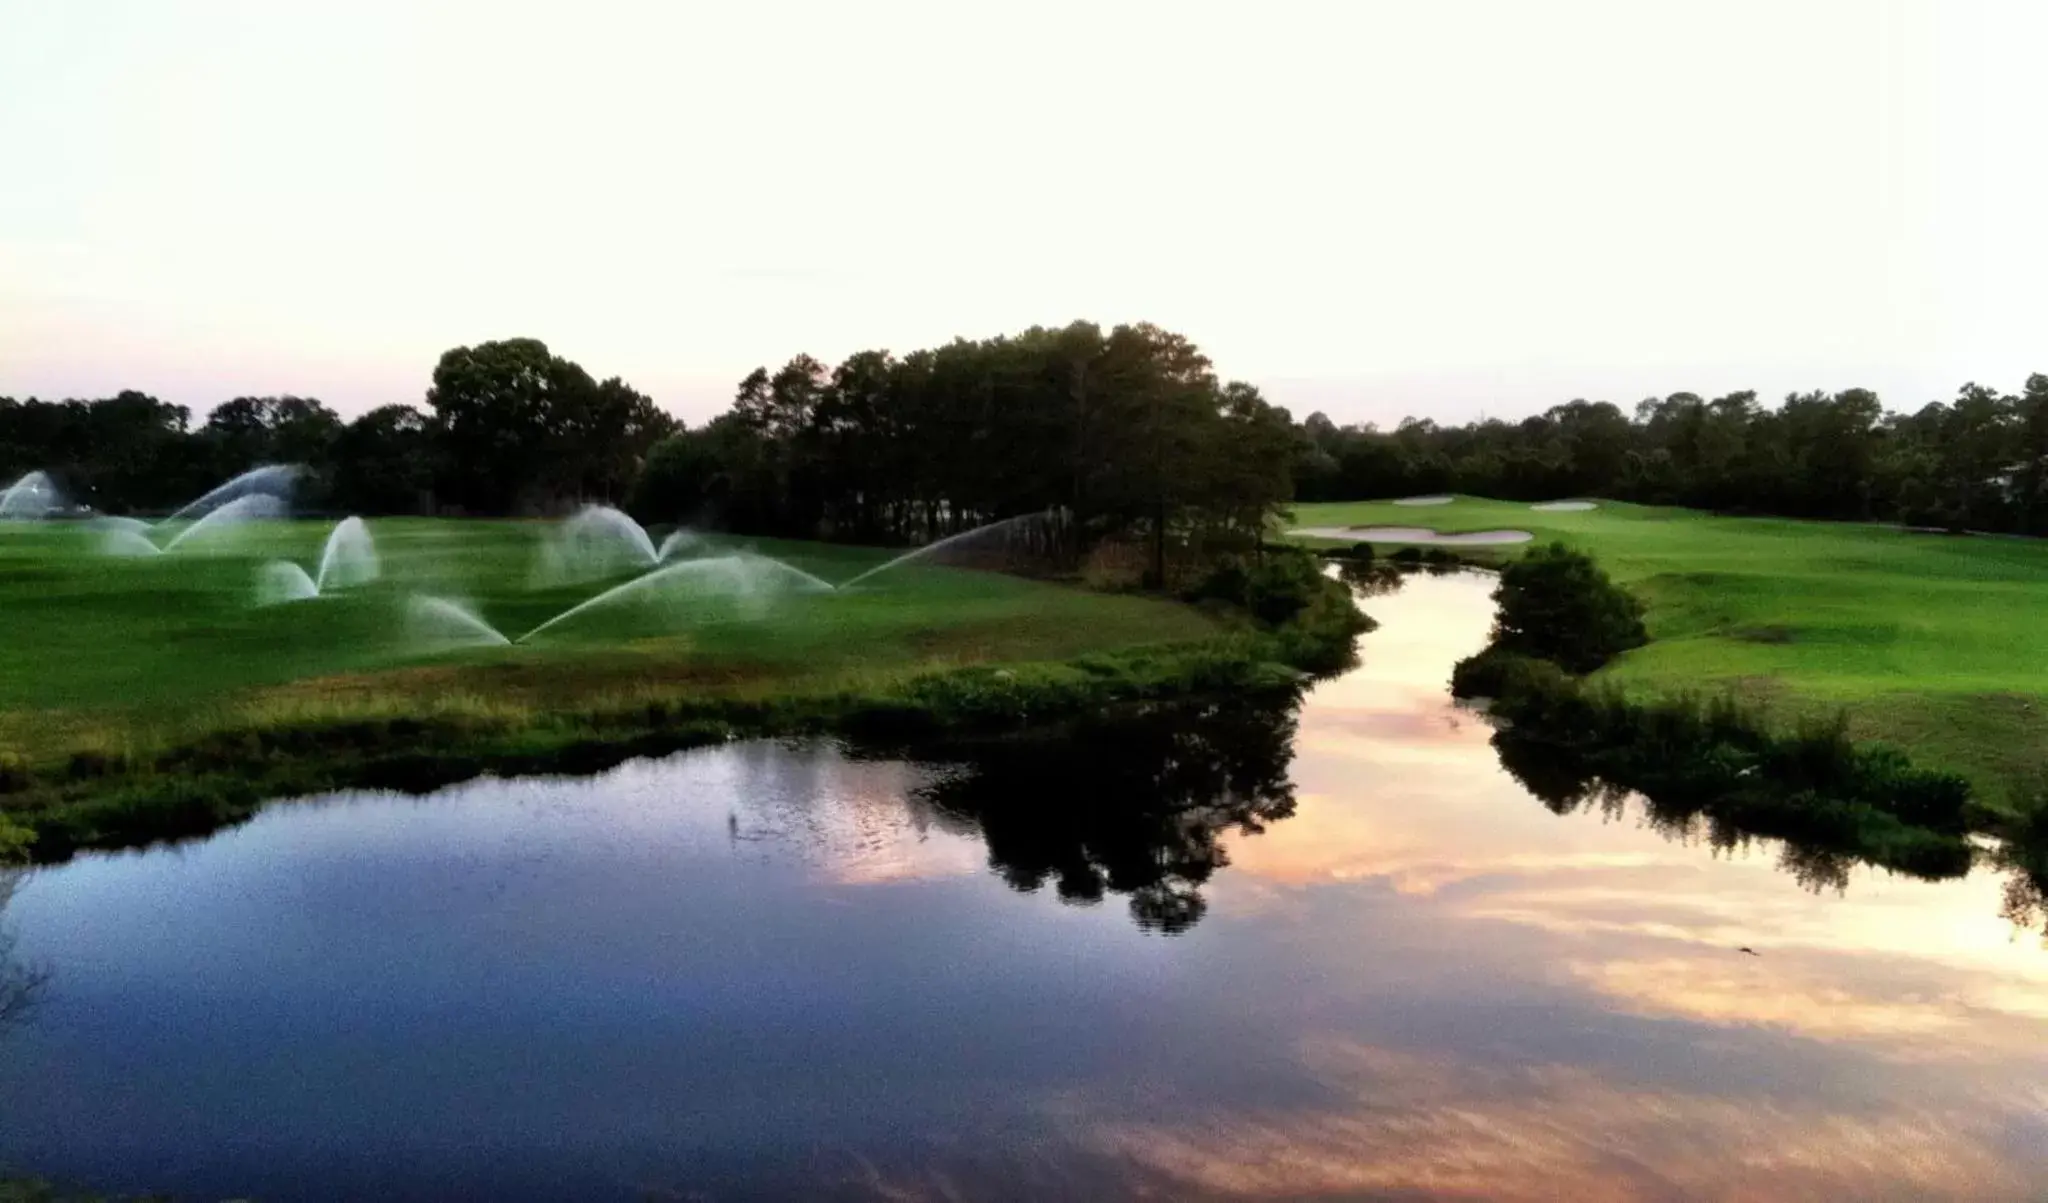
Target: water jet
(33, 496)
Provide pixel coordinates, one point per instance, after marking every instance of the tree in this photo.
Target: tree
(680, 480)
(521, 428)
(2031, 456)
(384, 462)
(249, 431)
(1557, 604)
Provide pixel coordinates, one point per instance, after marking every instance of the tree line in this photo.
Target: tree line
(1121, 432)
(507, 427)
(1978, 462)
(1125, 432)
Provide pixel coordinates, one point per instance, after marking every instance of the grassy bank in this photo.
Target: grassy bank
(148, 697)
(1925, 641)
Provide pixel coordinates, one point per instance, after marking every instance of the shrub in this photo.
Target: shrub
(1274, 591)
(1557, 604)
(14, 842)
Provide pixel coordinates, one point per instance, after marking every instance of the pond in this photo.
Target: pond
(1242, 951)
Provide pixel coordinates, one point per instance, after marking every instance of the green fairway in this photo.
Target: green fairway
(106, 652)
(1928, 641)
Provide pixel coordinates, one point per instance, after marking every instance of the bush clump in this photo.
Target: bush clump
(1556, 604)
(1281, 585)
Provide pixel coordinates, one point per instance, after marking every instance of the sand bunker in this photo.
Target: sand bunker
(1433, 499)
(1414, 534)
(1565, 507)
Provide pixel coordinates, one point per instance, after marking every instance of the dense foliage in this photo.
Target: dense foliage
(508, 427)
(1978, 462)
(1557, 604)
(1126, 432)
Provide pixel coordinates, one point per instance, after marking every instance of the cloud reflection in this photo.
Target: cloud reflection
(1449, 1129)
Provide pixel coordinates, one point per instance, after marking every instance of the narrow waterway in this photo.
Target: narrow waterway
(1228, 953)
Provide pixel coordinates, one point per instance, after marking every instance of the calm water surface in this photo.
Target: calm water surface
(1379, 970)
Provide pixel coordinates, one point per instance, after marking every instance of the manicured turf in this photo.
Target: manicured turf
(107, 652)
(1932, 642)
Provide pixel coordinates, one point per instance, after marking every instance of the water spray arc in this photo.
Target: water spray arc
(347, 560)
(32, 496)
(599, 541)
(1001, 538)
(273, 480)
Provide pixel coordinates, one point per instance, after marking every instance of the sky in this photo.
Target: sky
(1372, 209)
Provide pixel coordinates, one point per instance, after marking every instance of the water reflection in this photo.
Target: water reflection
(768, 971)
(1134, 803)
(19, 984)
(1556, 779)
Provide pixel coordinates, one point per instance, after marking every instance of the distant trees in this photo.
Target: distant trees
(1126, 432)
(131, 447)
(520, 427)
(271, 430)
(510, 427)
(384, 462)
(1978, 462)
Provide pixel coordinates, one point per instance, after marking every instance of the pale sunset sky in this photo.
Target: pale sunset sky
(1373, 209)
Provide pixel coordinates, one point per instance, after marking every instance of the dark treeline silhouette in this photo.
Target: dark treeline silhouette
(1979, 462)
(1126, 432)
(507, 427)
(1129, 432)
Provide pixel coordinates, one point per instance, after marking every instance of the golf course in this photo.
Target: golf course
(238, 658)
(1930, 642)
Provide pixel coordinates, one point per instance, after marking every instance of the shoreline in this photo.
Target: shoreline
(212, 780)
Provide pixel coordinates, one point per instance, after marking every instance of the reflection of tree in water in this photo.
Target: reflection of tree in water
(18, 984)
(1133, 804)
(1565, 785)
(1372, 578)
(2026, 884)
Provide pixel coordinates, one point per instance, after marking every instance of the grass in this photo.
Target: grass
(149, 697)
(1929, 642)
(103, 653)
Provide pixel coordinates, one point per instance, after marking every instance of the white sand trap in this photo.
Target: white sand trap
(1434, 499)
(1565, 507)
(1414, 534)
